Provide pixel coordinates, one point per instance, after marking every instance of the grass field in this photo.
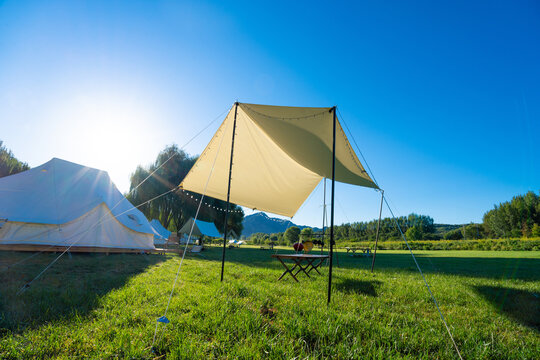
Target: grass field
(101, 306)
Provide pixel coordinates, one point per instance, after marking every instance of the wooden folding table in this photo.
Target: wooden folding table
(312, 263)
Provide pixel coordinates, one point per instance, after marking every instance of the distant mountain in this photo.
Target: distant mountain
(260, 222)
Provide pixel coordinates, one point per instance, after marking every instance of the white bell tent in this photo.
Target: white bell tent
(271, 158)
(61, 203)
(161, 234)
(200, 228)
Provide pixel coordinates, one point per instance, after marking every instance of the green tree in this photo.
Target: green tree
(455, 234)
(414, 233)
(306, 234)
(513, 218)
(292, 234)
(535, 230)
(9, 164)
(473, 231)
(175, 208)
(423, 222)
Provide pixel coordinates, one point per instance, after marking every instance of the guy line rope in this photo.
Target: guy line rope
(163, 318)
(406, 242)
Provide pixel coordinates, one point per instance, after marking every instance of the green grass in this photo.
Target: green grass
(100, 306)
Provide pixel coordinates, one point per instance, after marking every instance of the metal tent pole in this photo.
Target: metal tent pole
(323, 214)
(377, 236)
(332, 206)
(228, 193)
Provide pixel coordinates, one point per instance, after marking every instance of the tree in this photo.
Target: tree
(535, 232)
(292, 234)
(177, 207)
(306, 234)
(472, 231)
(513, 218)
(423, 222)
(455, 234)
(9, 164)
(414, 233)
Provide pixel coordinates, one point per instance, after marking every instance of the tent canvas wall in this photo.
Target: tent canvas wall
(161, 234)
(65, 204)
(201, 228)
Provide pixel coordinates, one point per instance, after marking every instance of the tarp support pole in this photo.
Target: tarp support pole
(228, 193)
(332, 205)
(377, 236)
(323, 215)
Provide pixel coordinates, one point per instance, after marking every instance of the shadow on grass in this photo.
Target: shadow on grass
(353, 286)
(520, 305)
(478, 267)
(73, 286)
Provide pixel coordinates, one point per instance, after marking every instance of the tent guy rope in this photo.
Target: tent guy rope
(425, 281)
(384, 198)
(164, 317)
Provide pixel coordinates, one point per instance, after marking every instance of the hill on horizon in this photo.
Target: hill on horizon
(260, 222)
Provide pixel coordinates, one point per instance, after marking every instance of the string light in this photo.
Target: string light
(210, 206)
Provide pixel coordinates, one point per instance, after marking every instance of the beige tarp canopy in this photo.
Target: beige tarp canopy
(280, 155)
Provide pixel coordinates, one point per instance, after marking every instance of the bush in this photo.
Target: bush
(531, 244)
(454, 235)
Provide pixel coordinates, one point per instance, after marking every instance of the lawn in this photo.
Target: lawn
(98, 306)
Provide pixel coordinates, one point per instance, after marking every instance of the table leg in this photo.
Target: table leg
(287, 270)
(298, 262)
(315, 266)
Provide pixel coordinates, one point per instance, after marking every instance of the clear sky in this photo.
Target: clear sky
(443, 98)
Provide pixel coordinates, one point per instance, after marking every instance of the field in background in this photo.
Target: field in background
(520, 244)
(106, 306)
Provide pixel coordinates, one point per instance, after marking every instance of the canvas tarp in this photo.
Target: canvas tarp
(280, 155)
(201, 228)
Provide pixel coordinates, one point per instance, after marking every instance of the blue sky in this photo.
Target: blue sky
(442, 98)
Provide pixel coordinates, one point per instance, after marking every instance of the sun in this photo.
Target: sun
(112, 132)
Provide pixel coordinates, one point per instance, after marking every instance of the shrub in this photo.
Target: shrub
(529, 244)
(454, 235)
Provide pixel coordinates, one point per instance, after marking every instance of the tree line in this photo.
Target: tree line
(416, 227)
(9, 164)
(518, 218)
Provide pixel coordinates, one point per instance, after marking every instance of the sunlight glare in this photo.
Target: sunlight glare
(109, 132)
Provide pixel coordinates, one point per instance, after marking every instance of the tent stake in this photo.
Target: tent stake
(228, 193)
(377, 236)
(332, 206)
